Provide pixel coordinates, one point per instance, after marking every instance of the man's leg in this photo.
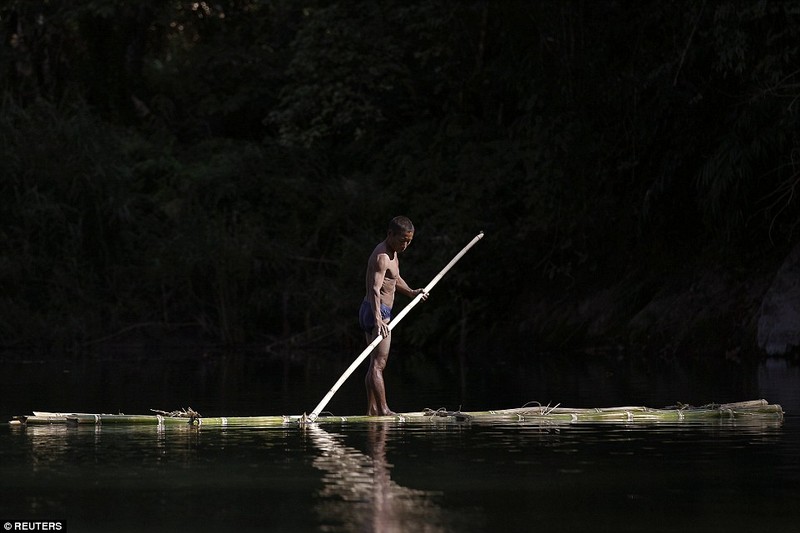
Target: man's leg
(376, 389)
(372, 407)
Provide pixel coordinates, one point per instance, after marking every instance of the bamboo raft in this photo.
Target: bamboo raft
(754, 410)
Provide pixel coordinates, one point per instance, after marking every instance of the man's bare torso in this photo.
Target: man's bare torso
(391, 274)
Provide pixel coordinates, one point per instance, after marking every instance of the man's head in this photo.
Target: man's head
(401, 224)
(401, 233)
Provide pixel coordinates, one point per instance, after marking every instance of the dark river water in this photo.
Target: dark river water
(723, 476)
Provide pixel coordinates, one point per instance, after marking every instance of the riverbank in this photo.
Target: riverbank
(707, 306)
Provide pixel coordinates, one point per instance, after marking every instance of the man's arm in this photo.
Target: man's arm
(403, 288)
(379, 267)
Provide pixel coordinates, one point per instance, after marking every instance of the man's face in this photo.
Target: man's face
(400, 241)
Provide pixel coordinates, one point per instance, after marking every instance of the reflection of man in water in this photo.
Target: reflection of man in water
(382, 280)
(358, 493)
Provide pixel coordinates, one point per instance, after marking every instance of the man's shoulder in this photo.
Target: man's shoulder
(380, 250)
(381, 258)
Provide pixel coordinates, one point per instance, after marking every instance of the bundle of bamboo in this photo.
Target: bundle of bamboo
(749, 410)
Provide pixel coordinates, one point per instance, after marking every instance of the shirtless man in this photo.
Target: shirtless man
(383, 279)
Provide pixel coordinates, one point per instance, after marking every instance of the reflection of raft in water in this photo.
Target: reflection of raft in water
(755, 410)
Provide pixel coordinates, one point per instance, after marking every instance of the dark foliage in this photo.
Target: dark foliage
(223, 169)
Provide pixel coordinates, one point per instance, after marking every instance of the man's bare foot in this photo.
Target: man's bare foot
(387, 412)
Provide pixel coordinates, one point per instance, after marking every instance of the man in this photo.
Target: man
(383, 279)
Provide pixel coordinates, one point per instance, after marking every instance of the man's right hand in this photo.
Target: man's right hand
(383, 329)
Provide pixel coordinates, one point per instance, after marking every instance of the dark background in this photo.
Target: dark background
(217, 173)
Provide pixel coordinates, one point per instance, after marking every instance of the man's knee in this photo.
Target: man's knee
(378, 361)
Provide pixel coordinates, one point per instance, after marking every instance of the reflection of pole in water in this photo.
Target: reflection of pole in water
(359, 494)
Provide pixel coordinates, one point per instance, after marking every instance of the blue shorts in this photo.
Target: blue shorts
(366, 319)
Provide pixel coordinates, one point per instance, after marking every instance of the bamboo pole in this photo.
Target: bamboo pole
(368, 350)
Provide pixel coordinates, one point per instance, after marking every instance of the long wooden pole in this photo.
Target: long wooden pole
(396, 320)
